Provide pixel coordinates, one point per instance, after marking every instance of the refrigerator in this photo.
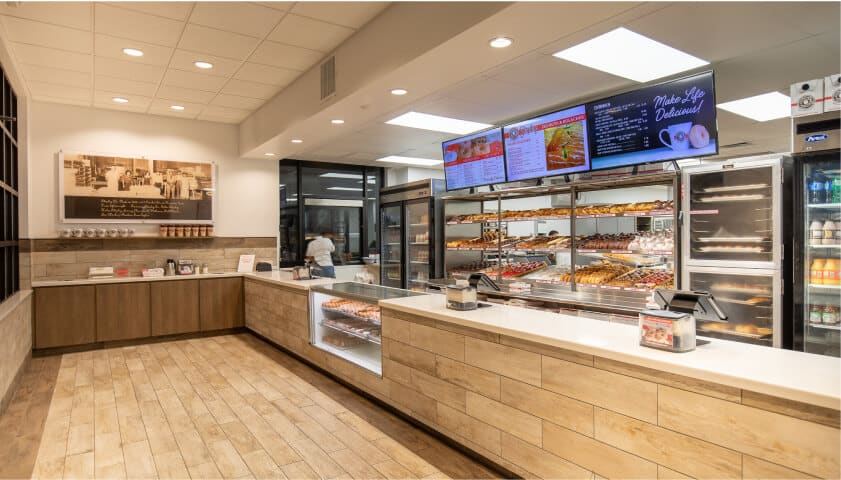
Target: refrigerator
(411, 225)
(734, 244)
(817, 220)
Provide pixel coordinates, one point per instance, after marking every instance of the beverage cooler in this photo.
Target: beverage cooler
(411, 228)
(817, 219)
(734, 243)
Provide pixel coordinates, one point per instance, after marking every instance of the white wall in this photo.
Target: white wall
(400, 175)
(247, 190)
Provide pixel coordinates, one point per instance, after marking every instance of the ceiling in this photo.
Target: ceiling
(71, 52)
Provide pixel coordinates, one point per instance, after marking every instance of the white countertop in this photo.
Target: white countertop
(804, 377)
(276, 277)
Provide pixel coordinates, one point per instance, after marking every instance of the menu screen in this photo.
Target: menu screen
(553, 144)
(474, 160)
(654, 124)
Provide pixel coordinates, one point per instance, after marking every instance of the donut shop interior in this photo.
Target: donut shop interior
(420, 240)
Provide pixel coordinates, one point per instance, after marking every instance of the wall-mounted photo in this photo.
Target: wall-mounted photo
(99, 188)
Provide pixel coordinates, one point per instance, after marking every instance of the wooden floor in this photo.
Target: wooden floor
(218, 407)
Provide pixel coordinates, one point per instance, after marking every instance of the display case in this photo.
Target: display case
(735, 241)
(345, 321)
(605, 236)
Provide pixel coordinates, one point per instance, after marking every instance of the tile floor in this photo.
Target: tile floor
(218, 407)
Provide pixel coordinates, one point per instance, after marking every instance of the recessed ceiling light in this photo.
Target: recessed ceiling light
(133, 52)
(203, 65)
(177, 107)
(296, 140)
(764, 107)
(353, 176)
(627, 54)
(437, 123)
(269, 154)
(426, 162)
(399, 91)
(337, 121)
(350, 189)
(500, 42)
(119, 100)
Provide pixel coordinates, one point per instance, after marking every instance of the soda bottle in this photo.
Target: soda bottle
(817, 187)
(836, 189)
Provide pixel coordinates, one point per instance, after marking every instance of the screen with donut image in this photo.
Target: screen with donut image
(552, 144)
(474, 160)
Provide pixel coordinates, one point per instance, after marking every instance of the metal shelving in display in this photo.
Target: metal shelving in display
(613, 237)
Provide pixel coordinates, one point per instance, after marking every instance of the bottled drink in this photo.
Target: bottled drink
(816, 232)
(828, 237)
(815, 313)
(817, 189)
(829, 315)
(816, 272)
(831, 272)
(836, 189)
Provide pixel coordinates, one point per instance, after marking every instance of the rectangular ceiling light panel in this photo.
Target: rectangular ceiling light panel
(437, 123)
(764, 107)
(423, 162)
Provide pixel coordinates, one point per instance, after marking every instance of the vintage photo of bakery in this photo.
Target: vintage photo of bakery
(420, 240)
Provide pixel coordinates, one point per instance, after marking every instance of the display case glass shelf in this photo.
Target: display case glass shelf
(345, 321)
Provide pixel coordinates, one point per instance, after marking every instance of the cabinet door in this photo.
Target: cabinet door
(122, 311)
(175, 307)
(221, 303)
(64, 316)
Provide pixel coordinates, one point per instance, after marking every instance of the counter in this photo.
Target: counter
(275, 276)
(557, 396)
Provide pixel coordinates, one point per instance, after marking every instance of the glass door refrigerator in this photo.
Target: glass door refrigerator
(410, 231)
(817, 219)
(734, 242)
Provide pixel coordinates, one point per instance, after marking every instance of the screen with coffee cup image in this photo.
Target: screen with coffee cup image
(474, 160)
(663, 122)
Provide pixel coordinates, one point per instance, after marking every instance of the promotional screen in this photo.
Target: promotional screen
(553, 144)
(659, 123)
(474, 160)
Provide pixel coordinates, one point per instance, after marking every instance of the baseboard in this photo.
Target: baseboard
(454, 444)
(15, 383)
(44, 352)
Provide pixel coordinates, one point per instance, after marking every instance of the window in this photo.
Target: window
(9, 260)
(320, 198)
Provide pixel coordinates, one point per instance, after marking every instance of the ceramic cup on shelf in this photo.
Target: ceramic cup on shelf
(101, 232)
(124, 232)
(66, 233)
(113, 232)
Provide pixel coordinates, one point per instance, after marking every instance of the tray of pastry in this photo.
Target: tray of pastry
(734, 239)
(342, 341)
(741, 288)
(756, 301)
(748, 331)
(352, 309)
(355, 328)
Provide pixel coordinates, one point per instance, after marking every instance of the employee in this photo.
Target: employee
(320, 250)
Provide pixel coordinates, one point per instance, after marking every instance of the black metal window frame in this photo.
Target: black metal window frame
(9, 201)
(368, 231)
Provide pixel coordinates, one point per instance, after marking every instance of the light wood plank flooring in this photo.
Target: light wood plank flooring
(218, 407)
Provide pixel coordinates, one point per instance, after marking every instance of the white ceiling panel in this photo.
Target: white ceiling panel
(214, 118)
(162, 107)
(234, 113)
(222, 67)
(216, 42)
(349, 14)
(173, 10)
(47, 35)
(59, 91)
(69, 14)
(125, 87)
(255, 72)
(234, 101)
(308, 33)
(66, 101)
(133, 25)
(238, 17)
(184, 94)
(197, 81)
(134, 101)
(244, 88)
(128, 70)
(112, 47)
(285, 56)
(37, 73)
(51, 57)
(133, 107)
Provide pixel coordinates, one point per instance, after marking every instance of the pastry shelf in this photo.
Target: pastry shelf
(350, 332)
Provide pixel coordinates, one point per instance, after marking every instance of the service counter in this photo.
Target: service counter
(552, 395)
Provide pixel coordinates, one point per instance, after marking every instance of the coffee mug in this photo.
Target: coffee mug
(678, 136)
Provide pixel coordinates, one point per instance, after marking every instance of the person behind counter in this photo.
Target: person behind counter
(320, 250)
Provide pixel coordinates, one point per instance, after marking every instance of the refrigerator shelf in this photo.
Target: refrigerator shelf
(825, 327)
(824, 205)
(731, 198)
(733, 188)
(369, 338)
(826, 246)
(419, 243)
(828, 288)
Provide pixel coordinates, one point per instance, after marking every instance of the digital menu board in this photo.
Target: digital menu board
(664, 122)
(552, 144)
(474, 160)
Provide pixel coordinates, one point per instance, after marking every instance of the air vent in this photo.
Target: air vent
(736, 145)
(328, 78)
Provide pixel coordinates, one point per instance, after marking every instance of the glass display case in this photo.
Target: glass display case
(604, 235)
(734, 244)
(345, 321)
(391, 258)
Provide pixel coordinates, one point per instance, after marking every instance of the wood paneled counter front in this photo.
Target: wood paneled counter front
(556, 396)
